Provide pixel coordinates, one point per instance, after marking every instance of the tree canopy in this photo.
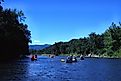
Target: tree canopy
(14, 34)
(107, 43)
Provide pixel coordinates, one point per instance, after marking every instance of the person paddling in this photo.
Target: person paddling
(33, 57)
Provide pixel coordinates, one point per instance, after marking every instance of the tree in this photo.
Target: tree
(92, 42)
(116, 36)
(96, 42)
(14, 35)
(112, 38)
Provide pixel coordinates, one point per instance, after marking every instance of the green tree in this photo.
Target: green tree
(96, 43)
(14, 35)
(112, 39)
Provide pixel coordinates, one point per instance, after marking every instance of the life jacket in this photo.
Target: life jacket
(33, 57)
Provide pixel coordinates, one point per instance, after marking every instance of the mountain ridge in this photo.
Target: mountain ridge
(38, 47)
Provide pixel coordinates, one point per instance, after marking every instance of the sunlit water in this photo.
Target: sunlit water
(52, 69)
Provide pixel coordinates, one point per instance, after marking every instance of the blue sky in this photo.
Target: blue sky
(52, 21)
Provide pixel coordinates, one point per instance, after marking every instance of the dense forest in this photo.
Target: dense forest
(14, 34)
(105, 44)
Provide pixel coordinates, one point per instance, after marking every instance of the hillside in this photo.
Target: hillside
(38, 47)
(105, 44)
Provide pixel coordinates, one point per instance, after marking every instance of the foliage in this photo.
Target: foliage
(14, 34)
(107, 43)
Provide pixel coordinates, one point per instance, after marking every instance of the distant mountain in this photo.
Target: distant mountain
(38, 47)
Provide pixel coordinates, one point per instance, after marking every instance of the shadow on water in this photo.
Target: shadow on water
(52, 69)
(14, 70)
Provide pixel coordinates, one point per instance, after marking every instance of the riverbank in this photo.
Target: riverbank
(88, 56)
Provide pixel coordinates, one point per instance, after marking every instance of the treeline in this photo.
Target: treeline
(106, 44)
(14, 34)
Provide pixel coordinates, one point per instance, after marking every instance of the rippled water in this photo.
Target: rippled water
(52, 69)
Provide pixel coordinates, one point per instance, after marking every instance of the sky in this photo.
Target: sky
(53, 21)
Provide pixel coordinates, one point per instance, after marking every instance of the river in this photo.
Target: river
(52, 69)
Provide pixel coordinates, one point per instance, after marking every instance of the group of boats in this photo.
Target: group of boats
(71, 59)
(34, 57)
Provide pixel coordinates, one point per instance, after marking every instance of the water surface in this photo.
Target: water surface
(51, 69)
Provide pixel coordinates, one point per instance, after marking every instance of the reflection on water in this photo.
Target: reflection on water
(51, 69)
(13, 71)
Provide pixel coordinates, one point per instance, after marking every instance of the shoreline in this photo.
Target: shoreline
(93, 56)
(105, 57)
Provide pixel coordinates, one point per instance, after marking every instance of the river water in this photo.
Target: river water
(52, 69)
